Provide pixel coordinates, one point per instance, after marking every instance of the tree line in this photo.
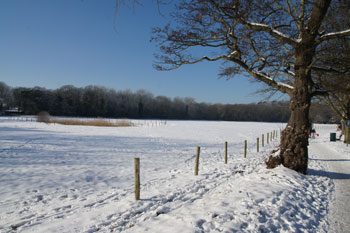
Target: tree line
(98, 101)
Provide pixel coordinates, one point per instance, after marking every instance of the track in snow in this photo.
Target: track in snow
(338, 170)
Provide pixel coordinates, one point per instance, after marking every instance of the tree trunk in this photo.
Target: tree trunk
(294, 138)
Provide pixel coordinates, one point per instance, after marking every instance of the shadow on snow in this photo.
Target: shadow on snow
(331, 175)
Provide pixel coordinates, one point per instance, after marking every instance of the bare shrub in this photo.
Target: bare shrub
(43, 116)
(96, 122)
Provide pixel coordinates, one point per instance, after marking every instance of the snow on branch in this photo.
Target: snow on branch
(283, 87)
(333, 35)
(273, 32)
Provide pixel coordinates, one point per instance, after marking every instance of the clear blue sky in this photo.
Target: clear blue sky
(51, 43)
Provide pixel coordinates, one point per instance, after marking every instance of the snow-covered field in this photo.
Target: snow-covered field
(56, 178)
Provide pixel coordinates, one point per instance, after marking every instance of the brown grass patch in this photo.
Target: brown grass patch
(97, 122)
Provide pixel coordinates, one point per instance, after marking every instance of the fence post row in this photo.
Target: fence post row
(137, 160)
(137, 178)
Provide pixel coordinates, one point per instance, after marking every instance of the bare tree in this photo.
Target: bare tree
(6, 97)
(275, 42)
(338, 96)
(334, 60)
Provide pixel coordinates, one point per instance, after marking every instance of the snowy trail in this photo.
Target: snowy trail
(338, 170)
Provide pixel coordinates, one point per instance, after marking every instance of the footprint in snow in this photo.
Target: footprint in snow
(200, 223)
(162, 210)
(39, 198)
(64, 196)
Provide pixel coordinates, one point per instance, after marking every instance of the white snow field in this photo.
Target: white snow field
(56, 178)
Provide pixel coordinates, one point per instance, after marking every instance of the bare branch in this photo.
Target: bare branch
(333, 35)
(273, 32)
(180, 62)
(330, 70)
(282, 87)
(319, 93)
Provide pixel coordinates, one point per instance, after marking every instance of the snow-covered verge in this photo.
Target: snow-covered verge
(57, 178)
(324, 138)
(335, 155)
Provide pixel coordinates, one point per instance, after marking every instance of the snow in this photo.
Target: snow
(281, 84)
(336, 156)
(57, 178)
(233, 54)
(334, 34)
(274, 31)
(285, 85)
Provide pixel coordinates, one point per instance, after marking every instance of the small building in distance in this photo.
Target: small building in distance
(13, 112)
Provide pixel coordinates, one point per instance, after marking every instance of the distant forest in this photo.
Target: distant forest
(97, 101)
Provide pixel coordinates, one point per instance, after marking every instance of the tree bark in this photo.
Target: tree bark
(295, 139)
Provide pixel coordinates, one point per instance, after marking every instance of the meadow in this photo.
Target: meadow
(64, 178)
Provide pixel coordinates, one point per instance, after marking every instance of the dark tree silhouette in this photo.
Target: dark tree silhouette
(334, 57)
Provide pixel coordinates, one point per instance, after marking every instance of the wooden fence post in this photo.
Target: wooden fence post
(225, 152)
(137, 178)
(257, 144)
(267, 138)
(245, 148)
(271, 137)
(197, 162)
(262, 140)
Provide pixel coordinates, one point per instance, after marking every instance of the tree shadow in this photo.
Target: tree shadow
(332, 160)
(331, 175)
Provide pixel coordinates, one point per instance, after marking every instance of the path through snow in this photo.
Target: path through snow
(338, 170)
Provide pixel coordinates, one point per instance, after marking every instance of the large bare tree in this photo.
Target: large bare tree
(275, 42)
(334, 60)
(338, 97)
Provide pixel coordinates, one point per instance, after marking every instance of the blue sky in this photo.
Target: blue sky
(51, 43)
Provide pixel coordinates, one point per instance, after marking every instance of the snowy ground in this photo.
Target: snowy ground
(57, 178)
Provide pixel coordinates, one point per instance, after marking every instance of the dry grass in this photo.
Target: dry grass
(96, 122)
